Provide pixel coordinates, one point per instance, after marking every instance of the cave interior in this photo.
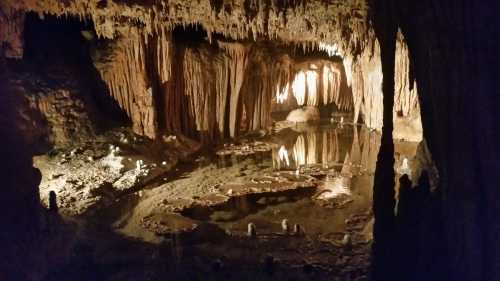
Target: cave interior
(250, 140)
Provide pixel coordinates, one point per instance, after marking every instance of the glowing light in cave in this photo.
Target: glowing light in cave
(335, 187)
(299, 88)
(302, 80)
(282, 96)
(330, 49)
(311, 77)
(327, 77)
(405, 169)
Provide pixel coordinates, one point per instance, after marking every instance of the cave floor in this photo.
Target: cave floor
(186, 218)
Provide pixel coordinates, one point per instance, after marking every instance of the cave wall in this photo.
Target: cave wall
(453, 48)
(19, 203)
(11, 32)
(455, 65)
(52, 112)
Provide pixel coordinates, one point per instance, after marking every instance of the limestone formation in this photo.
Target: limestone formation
(285, 227)
(11, 32)
(251, 230)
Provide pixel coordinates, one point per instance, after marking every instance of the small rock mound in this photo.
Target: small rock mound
(304, 114)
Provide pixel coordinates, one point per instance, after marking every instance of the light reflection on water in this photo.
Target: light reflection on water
(351, 148)
(342, 158)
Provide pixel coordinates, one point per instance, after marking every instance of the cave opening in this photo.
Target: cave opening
(245, 140)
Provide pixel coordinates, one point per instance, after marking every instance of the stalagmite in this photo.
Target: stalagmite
(251, 230)
(285, 227)
(297, 229)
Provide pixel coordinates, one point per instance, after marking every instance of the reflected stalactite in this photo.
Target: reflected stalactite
(327, 148)
(356, 149)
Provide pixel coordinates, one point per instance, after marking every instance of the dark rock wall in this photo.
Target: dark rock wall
(453, 48)
(19, 203)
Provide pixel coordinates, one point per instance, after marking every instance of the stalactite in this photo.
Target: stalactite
(258, 90)
(299, 88)
(406, 96)
(367, 85)
(164, 53)
(209, 82)
(318, 82)
(198, 90)
(125, 69)
(239, 60)
(312, 85)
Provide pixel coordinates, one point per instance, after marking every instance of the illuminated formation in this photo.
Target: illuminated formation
(315, 84)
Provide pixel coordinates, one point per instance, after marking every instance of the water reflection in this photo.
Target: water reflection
(351, 149)
(342, 158)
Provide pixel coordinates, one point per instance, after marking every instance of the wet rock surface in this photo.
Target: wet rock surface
(95, 173)
(245, 148)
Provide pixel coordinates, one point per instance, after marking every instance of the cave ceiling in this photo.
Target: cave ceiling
(307, 23)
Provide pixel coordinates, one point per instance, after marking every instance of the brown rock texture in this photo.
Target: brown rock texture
(11, 32)
(52, 112)
(124, 66)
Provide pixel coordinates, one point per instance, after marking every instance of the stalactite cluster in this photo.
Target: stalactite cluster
(132, 67)
(314, 83)
(313, 22)
(213, 92)
(216, 92)
(139, 75)
(205, 91)
(366, 83)
(406, 96)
